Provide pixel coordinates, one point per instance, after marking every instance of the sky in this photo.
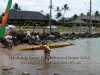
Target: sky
(75, 6)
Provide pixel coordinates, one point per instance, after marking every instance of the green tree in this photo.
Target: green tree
(2, 14)
(15, 22)
(81, 17)
(58, 9)
(97, 14)
(88, 14)
(75, 16)
(65, 8)
(82, 14)
(59, 14)
(16, 7)
(47, 16)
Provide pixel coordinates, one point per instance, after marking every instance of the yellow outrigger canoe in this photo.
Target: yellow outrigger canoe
(38, 47)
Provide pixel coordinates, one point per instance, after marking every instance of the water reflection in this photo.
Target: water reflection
(45, 69)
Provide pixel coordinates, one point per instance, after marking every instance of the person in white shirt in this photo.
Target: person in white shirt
(28, 33)
(9, 40)
(37, 37)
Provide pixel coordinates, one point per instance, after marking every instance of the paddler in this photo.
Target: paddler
(46, 49)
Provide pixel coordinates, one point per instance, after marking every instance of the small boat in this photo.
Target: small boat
(51, 46)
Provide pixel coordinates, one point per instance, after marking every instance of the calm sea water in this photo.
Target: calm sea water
(83, 58)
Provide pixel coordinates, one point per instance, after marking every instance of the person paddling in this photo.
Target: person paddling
(46, 49)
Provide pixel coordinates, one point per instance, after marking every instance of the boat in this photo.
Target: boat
(51, 46)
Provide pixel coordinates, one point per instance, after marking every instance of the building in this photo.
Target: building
(23, 16)
(84, 20)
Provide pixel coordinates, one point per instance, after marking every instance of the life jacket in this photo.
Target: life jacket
(46, 47)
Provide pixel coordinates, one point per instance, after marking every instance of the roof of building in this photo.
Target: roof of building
(83, 19)
(77, 21)
(31, 15)
(97, 18)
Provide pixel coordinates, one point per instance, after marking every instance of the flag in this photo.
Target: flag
(5, 18)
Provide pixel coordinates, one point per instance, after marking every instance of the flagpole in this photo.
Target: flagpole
(90, 18)
(50, 14)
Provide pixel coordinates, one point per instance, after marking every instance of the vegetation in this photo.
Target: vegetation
(16, 7)
(60, 16)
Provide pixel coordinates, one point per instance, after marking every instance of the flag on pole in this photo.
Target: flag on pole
(5, 18)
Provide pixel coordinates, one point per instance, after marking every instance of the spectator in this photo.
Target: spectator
(28, 34)
(9, 40)
(44, 31)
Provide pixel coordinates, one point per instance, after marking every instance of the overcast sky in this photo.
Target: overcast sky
(75, 6)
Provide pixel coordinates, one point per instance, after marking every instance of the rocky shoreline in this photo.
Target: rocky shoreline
(19, 37)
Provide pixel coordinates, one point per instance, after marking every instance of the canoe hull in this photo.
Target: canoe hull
(51, 47)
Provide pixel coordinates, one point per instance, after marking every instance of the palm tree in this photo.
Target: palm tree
(88, 14)
(58, 9)
(16, 7)
(64, 8)
(59, 14)
(81, 17)
(75, 16)
(96, 14)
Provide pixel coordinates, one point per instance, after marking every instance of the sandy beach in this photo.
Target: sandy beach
(6, 62)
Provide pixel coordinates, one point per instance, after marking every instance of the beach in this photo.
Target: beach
(16, 66)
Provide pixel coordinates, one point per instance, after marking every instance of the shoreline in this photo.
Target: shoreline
(5, 55)
(62, 31)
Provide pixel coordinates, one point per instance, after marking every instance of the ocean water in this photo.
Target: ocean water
(83, 58)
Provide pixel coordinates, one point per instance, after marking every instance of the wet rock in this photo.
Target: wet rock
(56, 74)
(54, 40)
(7, 69)
(25, 73)
(39, 68)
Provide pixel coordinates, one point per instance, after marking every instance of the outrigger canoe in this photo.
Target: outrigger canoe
(38, 47)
